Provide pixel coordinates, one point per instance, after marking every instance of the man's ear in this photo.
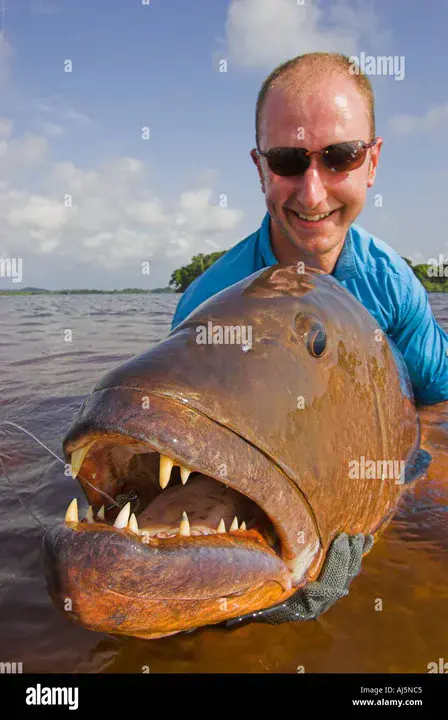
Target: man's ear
(256, 158)
(373, 164)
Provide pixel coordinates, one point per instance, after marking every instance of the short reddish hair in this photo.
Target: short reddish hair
(290, 73)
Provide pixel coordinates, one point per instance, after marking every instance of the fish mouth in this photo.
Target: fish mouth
(197, 513)
(152, 511)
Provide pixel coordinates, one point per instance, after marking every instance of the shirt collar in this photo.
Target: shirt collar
(265, 242)
(345, 267)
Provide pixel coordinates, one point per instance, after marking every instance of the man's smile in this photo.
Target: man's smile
(312, 220)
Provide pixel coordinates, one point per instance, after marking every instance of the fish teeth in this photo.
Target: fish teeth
(77, 457)
(165, 467)
(184, 474)
(123, 517)
(184, 527)
(187, 530)
(89, 515)
(221, 526)
(234, 525)
(71, 516)
(100, 514)
(133, 524)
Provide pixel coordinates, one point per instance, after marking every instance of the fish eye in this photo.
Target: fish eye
(317, 341)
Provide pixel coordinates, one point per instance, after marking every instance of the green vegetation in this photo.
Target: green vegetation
(426, 273)
(184, 276)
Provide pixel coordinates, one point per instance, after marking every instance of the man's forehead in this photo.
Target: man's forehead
(332, 107)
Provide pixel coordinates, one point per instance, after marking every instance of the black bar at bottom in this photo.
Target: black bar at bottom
(57, 695)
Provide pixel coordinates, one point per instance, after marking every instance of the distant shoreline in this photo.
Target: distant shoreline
(126, 291)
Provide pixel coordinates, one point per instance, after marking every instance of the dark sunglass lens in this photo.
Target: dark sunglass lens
(345, 156)
(288, 161)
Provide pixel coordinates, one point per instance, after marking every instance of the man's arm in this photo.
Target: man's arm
(424, 346)
(421, 340)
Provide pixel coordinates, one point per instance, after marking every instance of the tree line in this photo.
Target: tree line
(183, 277)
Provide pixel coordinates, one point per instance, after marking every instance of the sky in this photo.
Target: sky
(124, 147)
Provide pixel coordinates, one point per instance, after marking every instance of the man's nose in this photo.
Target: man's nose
(311, 189)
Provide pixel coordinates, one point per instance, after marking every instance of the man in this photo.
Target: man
(316, 103)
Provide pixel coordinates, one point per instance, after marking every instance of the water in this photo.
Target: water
(44, 380)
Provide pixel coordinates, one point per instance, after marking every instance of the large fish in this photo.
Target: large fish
(273, 418)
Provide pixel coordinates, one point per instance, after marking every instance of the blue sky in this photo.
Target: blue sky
(79, 134)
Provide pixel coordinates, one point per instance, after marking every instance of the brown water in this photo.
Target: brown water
(43, 382)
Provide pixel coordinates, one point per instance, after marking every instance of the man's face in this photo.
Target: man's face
(329, 111)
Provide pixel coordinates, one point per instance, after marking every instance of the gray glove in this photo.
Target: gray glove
(342, 564)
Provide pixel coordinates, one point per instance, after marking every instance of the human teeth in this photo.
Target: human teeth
(133, 524)
(100, 513)
(71, 516)
(123, 516)
(314, 218)
(184, 474)
(243, 526)
(234, 525)
(77, 457)
(184, 528)
(89, 515)
(166, 465)
(221, 526)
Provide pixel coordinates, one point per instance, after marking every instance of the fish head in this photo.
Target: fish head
(217, 463)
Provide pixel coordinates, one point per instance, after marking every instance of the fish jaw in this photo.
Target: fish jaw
(175, 579)
(117, 584)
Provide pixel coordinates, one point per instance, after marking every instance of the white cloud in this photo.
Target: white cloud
(6, 127)
(72, 114)
(52, 129)
(150, 212)
(197, 213)
(37, 212)
(62, 112)
(406, 125)
(105, 217)
(264, 33)
(15, 155)
(42, 106)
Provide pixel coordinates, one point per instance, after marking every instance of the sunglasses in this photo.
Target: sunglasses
(340, 157)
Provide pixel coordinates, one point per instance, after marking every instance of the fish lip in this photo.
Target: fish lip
(137, 595)
(82, 431)
(85, 534)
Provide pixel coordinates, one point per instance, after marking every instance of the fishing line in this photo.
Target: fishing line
(7, 422)
(30, 434)
(19, 498)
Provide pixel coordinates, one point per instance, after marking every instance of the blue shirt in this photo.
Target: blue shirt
(376, 275)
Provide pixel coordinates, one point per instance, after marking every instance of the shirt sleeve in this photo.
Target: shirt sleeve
(180, 313)
(423, 344)
(193, 296)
